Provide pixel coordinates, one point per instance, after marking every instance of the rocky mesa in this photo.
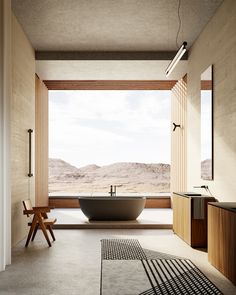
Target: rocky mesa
(130, 177)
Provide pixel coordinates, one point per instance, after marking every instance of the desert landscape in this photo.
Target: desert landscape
(206, 169)
(129, 177)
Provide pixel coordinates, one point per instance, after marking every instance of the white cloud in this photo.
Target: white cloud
(109, 126)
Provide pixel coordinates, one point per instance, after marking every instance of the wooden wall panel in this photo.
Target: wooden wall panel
(41, 143)
(178, 137)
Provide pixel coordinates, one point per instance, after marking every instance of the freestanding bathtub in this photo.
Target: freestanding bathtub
(112, 208)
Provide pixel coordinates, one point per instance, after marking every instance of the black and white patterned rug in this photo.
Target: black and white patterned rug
(128, 269)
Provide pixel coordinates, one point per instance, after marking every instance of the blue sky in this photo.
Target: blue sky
(104, 127)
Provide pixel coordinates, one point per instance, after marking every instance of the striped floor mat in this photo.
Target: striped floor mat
(128, 269)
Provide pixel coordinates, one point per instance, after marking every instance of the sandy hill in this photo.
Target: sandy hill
(59, 167)
(132, 177)
(206, 169)
(89, 168)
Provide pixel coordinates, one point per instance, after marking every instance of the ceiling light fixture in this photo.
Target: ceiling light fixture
(176, 59)
(182, 48)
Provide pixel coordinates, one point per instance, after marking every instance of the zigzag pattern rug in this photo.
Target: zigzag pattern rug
(128, 269)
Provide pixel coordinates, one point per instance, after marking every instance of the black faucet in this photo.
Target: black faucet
(112, 192)
(206, 187)
(202, 186)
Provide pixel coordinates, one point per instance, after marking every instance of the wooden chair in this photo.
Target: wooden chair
(40, 220)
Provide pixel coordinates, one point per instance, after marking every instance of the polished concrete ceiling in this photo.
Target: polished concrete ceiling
(111, 25)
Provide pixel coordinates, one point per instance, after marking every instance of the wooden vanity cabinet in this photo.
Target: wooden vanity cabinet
(222, 238)
(192, 231)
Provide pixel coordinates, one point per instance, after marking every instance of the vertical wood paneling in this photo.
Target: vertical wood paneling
(178, 137)
(41, 143)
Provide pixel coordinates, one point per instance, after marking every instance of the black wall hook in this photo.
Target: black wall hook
(175, 126)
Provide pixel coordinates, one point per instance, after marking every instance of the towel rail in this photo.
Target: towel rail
(30, 131)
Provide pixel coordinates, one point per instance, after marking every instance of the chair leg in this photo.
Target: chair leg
(43, 228)
(51, 232)
(32, 228)
(35, 231)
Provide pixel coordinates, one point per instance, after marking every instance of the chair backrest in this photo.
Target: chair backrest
(27, 205)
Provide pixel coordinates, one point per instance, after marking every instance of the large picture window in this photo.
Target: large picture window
(99, 138)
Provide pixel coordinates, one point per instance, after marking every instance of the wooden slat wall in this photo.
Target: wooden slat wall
(178, 137)
(41, 143)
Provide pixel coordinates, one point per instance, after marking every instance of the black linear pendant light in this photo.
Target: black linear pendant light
(181, 50)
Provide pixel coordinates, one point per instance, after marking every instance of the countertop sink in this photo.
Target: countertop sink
(195, 195)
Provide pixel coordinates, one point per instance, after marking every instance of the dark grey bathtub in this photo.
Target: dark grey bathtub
(112, 208)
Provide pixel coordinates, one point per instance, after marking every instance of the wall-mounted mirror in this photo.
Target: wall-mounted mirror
(207, 124)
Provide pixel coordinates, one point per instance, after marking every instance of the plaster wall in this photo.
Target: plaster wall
(22, 119)
(216, 45)
(5, 98)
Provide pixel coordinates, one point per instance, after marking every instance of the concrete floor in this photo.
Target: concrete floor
(72, 265)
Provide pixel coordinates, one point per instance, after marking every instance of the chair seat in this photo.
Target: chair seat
(47, 221)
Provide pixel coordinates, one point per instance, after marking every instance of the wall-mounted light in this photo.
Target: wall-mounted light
(176, 59)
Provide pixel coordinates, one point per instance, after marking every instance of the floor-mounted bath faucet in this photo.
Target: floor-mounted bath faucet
(112, 192)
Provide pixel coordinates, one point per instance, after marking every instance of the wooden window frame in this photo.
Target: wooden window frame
(110, 84)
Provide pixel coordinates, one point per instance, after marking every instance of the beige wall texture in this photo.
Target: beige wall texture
(216, 45)
(41, 143)
(22, 119)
